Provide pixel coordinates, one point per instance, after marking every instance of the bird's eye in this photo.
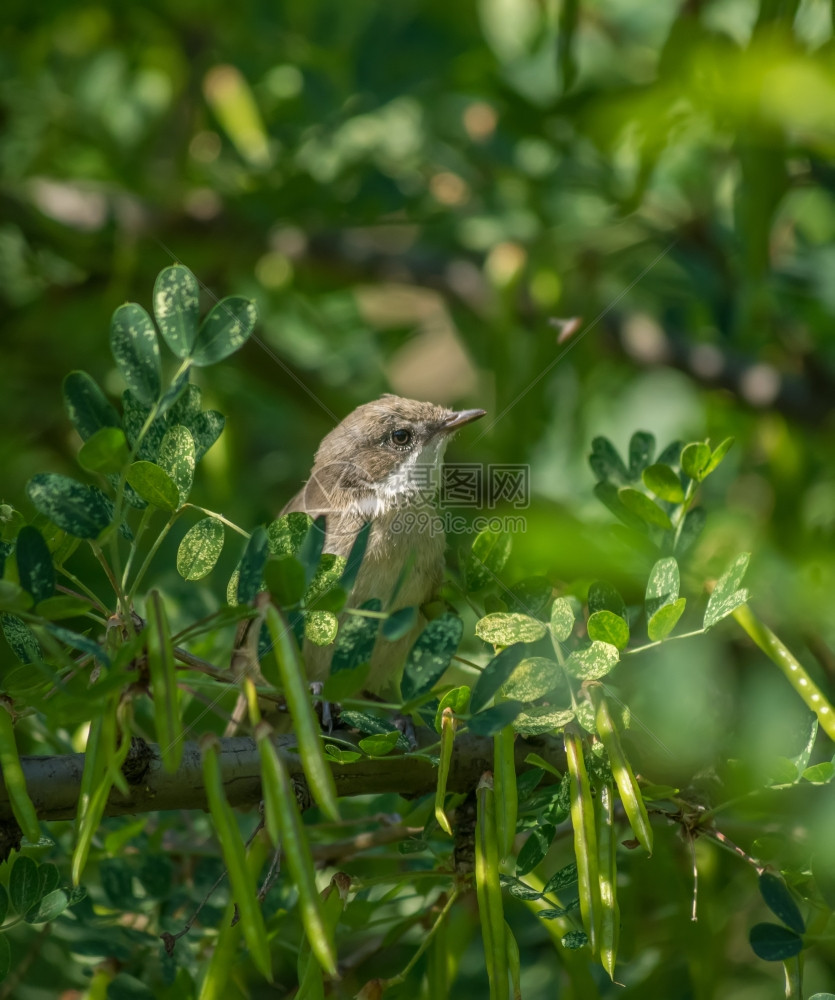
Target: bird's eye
(401, 437)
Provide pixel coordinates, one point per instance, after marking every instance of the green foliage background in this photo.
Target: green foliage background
(412, 192)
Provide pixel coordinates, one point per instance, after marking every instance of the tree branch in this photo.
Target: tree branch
(54, 781)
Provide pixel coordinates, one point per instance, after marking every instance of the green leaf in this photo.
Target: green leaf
(487, 557)
(11, 521)
(78, 509)
(173, 394)
(562, 619)
(105, 451)
(252, 565)
(727, 596)
(780, 901)
(641, 451)
(663, 482)
(695, 458)
(593, 662)
(819, 774)
(505, 629)
(79, 642)
(774, 943)
(49, 906)
(607, 493)
(719, 453)
(399, 623)
(356, 638)
(492, 720)
(133, 343)
(606, 626)
(604, 597)
(34, 564)
(535, 848)
(494, 675)
(320, 627)
(62, 606)
(355, 557)
(561, 880)
(665, 619)
(154, 484)
(87, 406)
(430, 656)
(325, 591)
(647, 510)
(177, 308)
(5, 956)
(379, 745)
(206, 428)
(24, 884)
(284, 578)
(286, 534)
(176, 457)
(574, 940)
(605, 462)
(370, 725)
(457, 699)
(13, 597)
(20, 638)
(538, 719)
(519, 890)
(4, 907)
(663, 585)
(200, 549)
(226, 328)
(341, 756)
(135, 414)
(533, 678)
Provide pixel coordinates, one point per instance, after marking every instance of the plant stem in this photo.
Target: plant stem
(669, 638)
(81, 587)
(152, 552)
(117, 590)
(147, 514)
(217, 517)
(401, 977)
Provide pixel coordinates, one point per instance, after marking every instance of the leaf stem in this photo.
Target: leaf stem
(147, 514)
(152, 552)
(124, 603)
(439, 921)
(219, 517)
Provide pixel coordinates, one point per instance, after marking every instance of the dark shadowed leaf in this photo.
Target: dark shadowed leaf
(605, 462)
(604, 597)
(355, 557)
(252, 565)
(24, 883)
(534, 849)
(529, 597)
(355, 639)
(487, 557)
(493, 720)
(430, 655)
(494, 675)
(227, 327)
(641, 452)
(780, 901)
(284, 578)
(176, 308)
(399, 623)
(34, 564)
(133, 343)
(774, 943)
(607, 493)
(87, 406)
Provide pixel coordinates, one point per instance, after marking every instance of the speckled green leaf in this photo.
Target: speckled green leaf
(487, 557)
(232, 589)
(320, 627)
(606, 626)
(644, 508)
(326, 580)
(355, 640)
(226, 328)
(177, 308)
(504, 629)
(135, 414)
(78, 509)
(529, 597)
(286, 534)
(20, 638)
(533, 678)
(34, 564)
(695, 458)
(87, 406)
(206, 428)
(663, 585)
(562, 619)
(726, 596)
(133, 343)
(105, 451)
(593, 662)
(200, 549)
(539, 719)
(430, 656)
(665, 619)
(605, 462)
(284, 577)
(604, 597)
(663, 482)
(154, 485)
(176, 457)
(399, 623)
(252, 565)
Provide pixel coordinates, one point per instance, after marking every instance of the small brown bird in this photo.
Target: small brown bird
(383, 464)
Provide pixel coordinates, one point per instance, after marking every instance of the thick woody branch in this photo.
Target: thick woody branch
(54, 781)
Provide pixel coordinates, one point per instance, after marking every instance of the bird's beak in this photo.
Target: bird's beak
(459, 418)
